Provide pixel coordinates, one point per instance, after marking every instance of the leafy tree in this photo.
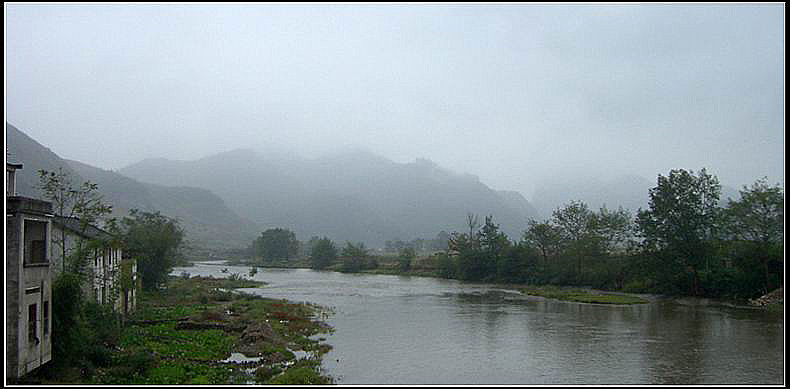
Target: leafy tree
(756, 224)
(544, 236)
(323, 253)
(492, 241)
(577, 223)
(354, 257)
(69, 200)
(758, 216)
(276, 244)
(478, 254)
(614, 229)
(681, 220)
(154, 240)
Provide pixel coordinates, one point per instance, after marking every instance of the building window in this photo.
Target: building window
(45, 318)
(32, 317)
(35, 241)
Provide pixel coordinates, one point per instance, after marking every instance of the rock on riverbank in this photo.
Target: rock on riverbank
(775, 297)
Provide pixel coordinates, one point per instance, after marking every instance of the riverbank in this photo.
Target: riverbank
(198, 331)
(389, 265)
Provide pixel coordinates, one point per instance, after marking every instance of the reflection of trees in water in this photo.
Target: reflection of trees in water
(674, 341)
(482, 313)
(585, 343)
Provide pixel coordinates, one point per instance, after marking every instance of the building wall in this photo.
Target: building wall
(28, 291)
(103, 268)
(12, 294)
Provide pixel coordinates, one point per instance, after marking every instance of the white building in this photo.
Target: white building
(113, 279)
(28, 280)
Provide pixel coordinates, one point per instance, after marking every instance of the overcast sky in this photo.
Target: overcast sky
(514, 94)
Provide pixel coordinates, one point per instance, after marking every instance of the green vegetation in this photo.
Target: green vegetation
(154, 240)
(275, 244)
(69, 200)
(322, 253)
(687, 243)
(355, 257)
(579, 295)
(183, 334)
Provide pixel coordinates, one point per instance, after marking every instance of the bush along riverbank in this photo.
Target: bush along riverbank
(197, 331)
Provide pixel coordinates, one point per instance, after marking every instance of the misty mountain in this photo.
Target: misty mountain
(350, 195)
(204, 216)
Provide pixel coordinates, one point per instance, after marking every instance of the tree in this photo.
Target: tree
(681, 220)
(576, 222)
(756, 223)
(82, 202)
(544, 236)
(276, 244)
(758, 216)
(492, 241)
(473, 222)
(354, 257)
(323, 253)
(154, 240)
(613, 229)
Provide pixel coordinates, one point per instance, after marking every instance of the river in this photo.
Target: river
(396, 330)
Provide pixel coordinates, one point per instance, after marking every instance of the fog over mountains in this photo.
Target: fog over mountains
(226, 199)
(204, 216)
(351, 195)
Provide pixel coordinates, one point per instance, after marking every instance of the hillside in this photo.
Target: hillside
(206, 219)
(353, 195)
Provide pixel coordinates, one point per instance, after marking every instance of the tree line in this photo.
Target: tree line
(687, 242)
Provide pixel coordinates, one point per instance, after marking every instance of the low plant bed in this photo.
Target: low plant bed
(580, 295)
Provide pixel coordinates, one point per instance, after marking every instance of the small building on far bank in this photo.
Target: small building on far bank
(28, 280)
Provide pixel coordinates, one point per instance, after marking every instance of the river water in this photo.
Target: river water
(397, 330)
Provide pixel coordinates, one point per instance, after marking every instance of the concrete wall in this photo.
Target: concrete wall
(28, 290)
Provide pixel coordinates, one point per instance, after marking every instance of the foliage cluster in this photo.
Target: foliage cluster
(684, 243)
(275, 244)
(154, 241)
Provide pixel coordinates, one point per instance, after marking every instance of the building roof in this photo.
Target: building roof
(73, 224)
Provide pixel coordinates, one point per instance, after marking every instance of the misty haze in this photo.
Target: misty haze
(394, 194)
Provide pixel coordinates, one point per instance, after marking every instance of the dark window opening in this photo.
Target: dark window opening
(32, 333)
(45, 318)
(35, 241)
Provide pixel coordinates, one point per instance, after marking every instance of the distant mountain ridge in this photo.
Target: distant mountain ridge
(351, 195)
(204, 216)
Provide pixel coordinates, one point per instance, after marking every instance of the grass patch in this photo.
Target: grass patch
(580, 295)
